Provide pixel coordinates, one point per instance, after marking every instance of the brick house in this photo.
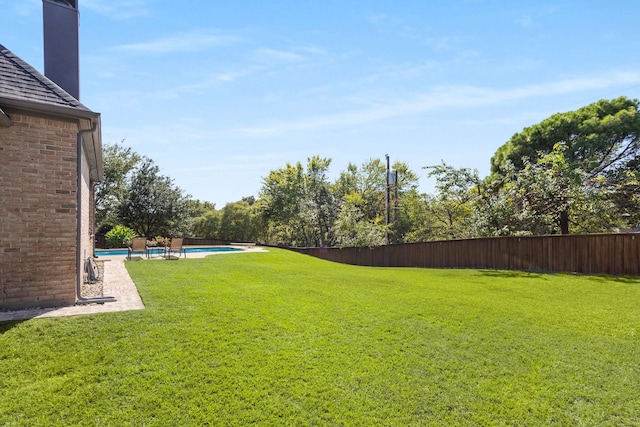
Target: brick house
(50, 160)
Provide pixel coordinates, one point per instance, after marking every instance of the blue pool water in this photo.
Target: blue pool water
(112, 252)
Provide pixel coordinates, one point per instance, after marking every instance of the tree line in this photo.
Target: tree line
(575, 172)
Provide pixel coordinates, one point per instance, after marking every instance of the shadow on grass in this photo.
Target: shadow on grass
(6, 326)
(17, 316)
(629, 280)
(513, 274)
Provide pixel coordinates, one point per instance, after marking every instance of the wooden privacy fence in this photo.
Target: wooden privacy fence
(615, 254)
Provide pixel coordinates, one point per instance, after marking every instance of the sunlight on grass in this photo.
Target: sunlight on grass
(284, 339)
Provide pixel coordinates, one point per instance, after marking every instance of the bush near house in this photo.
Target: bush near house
(119, 237)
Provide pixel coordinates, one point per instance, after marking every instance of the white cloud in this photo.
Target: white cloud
(280, 55)
(194, 41)
(213, 79)
(441, 98)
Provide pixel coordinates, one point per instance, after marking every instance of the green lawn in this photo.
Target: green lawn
(280, 338)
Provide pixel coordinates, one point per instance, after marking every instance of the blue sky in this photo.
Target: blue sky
(220, 92)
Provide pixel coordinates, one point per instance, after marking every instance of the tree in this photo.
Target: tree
(570, 198)
(404, 198)
(296, 204)
(547, 196)
(369, 182)
(624, 184)
(353, 230)
(414, 223)
(154, 205)
(236, 222)
(208, 224)
(598, 140)
(318, 206)
(279, 205)
(365, 188)
(453, 204)
(495, 214)
(597, 137)
(118, 164)
(199, 208)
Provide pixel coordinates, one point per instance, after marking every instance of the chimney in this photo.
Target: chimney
(61, 50)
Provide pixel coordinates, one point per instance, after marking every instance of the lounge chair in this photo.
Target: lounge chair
(138, 245)
(175, 246)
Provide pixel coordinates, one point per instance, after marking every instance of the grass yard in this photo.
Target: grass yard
(280, 338)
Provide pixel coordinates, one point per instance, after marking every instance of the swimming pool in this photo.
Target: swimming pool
(114, 252)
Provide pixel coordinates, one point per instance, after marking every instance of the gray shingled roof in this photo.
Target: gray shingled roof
(22, 87)
(22, 82)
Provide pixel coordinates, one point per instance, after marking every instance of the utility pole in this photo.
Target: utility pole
(387, 202)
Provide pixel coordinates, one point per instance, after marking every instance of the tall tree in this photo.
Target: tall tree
(118, 165)
(452, 206)
(279, 203)
(352, 229)
(414, 222)
(237, 222)
(208, 224)
(318, 206)
(367, 181)
(365, 189)
(596, 139)
(154, 205)
(624, 184)
(547, 196)
(403, 197)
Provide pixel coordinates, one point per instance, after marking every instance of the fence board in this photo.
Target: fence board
(615, 254)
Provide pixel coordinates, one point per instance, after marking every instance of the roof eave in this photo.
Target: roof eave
(44, 108)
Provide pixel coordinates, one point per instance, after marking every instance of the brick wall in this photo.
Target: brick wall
(38, 212)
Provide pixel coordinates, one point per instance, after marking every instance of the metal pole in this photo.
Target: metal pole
(387, 202)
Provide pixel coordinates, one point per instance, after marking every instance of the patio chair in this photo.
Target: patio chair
(175, 246)
(138, 245)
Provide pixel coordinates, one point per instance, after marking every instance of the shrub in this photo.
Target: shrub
(119, 237)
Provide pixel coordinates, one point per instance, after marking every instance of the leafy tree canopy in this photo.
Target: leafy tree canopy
(457, 191)
(118, 164)
(598, 137)
(154, 205)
